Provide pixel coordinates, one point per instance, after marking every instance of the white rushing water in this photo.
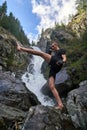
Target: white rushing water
(34, 80)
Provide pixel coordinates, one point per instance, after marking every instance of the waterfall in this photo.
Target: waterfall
(34, 79)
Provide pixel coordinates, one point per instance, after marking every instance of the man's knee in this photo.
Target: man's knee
(45, 56)
(51, 86)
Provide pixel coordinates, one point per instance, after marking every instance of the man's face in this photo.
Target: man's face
(54, 46)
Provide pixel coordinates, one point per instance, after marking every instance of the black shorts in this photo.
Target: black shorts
(54, 68)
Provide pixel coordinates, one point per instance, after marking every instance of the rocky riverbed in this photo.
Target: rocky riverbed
(20, 109)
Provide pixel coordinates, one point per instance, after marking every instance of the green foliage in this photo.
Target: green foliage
(77, 59)
(10, 59)
(3, 10)
(84, 38)
(12, 24)
(81, 5)
(62, 26)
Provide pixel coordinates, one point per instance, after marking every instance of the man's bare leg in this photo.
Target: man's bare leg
(55, 93)
(44, 55)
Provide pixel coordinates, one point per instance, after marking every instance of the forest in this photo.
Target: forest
(12, 24)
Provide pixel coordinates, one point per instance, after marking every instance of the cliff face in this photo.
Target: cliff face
(10, 58)
(62, 35)
(76, 28)
(79, 24)
(44, 41)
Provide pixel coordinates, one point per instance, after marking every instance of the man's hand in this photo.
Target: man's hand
(60, 62)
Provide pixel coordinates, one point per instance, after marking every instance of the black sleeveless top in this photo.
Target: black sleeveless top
(54, 67)
(57, 56)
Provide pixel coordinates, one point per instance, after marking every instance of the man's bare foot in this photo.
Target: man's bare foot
(60, 107)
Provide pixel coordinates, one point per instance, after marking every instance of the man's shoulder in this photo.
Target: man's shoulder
(61, 50)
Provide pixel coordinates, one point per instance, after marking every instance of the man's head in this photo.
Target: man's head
(54, 45)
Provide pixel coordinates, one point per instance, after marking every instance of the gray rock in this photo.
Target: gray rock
(47, 118)
(15, 101)
(9, 116)
(0, 68)
(44, 40)
(61, 35)
(14, 93)
(77, 105)
(11, 113)
(10, 58)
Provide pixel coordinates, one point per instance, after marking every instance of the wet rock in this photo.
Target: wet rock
(10, 115)
(77, 105)
(47, 118)
(14, 93)
(15, 101)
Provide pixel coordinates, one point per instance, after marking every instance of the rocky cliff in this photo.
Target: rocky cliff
(79, 23)
(10, 58)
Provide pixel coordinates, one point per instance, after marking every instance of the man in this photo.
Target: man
(55, 62)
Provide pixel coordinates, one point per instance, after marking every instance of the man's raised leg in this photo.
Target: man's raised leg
(44, 55)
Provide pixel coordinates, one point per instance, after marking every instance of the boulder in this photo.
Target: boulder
(77, 105)
(61, 35)
(47, 118)
(15, 101)
(14, 93)
(10, 117)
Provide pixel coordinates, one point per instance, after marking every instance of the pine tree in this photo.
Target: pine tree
(3, 10)
(12, 24)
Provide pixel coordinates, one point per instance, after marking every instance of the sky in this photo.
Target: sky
(35, 15)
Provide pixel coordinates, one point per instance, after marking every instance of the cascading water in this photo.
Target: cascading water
(34, 80)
